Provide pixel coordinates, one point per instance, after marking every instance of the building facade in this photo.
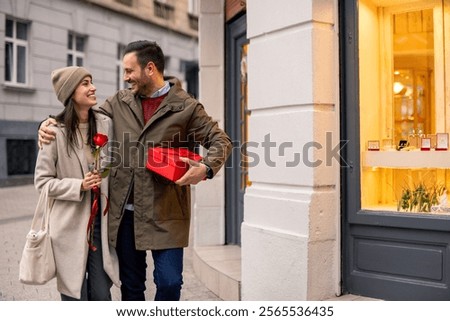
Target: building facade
(37, 36)
(338, 180)
(287, 61)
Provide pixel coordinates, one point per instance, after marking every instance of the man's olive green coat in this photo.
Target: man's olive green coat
(162, 209)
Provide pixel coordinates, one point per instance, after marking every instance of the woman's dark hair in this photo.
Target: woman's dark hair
(69, 118)
(147, 51)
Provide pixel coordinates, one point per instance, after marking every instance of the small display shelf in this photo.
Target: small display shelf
(406, 159)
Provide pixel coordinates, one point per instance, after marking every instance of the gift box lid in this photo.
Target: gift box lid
(166, 161)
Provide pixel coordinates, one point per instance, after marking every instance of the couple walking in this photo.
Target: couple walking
(144, 211)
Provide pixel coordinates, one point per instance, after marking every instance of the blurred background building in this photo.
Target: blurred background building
(37, 36)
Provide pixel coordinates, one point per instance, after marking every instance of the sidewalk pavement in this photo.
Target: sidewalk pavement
(16, 211)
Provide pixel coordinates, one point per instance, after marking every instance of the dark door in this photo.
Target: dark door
(387, 254)
(236, 178)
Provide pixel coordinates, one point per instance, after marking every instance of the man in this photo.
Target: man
(147, 211)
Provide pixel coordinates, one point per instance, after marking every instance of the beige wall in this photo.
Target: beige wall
(208, 226)
(144, 10)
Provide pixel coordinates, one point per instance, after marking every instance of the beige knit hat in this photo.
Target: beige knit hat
(65, 81)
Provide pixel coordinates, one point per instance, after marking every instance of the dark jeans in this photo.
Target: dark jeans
(97, 284)
(167, 274)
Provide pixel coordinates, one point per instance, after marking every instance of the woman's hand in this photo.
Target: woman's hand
(91, 180)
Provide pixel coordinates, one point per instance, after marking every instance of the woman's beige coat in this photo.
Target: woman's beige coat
(71, 210)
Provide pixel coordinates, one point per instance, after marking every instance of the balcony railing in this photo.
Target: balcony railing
(193, 21)
(163, 10)
(126, 2)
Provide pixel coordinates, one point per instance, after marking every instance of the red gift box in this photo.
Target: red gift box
(166, 161)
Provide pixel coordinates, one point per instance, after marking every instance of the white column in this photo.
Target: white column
(208, 224)
(290, 234)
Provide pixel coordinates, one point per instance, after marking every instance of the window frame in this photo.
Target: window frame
(194, 7)
(120, 83)
(76, 54)
(16, 43)
(381, 166)
(193, 13)
(164, 9)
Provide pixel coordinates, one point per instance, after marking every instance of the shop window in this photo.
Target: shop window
(245, 113)
(16, 52)
(404, 68)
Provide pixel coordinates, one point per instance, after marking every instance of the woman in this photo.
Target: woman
(83, 272)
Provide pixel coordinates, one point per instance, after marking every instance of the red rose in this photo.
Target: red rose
(100, 140)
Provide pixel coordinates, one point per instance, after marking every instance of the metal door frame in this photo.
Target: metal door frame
(368, 236)
(236, 36)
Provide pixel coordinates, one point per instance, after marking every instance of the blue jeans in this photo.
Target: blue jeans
(168, 263)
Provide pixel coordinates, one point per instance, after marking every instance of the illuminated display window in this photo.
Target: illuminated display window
(404, 61)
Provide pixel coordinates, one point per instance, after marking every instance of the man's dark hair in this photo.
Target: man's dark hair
(147, 51)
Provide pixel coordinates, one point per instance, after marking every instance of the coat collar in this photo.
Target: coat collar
(173, 102)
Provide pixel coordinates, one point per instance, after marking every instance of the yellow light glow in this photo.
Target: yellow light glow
(398, 87)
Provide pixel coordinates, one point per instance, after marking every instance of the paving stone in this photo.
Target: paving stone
(16, 211)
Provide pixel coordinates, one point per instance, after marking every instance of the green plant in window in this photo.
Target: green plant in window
(420, 198)
(405, 200)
